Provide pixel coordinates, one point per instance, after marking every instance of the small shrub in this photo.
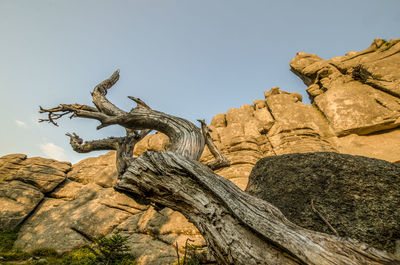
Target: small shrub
(113, 250)
(106, 250)
(81, 256)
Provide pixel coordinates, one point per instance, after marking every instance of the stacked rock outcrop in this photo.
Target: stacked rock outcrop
(84, 206)
(26, 180)
(359, 96)
(355, 110)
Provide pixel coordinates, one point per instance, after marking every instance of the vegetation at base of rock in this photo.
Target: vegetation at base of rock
(80, 256)
(7, 238)
(44, 252)
(110, 251)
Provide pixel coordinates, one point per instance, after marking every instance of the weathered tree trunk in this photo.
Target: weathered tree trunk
(239, 228)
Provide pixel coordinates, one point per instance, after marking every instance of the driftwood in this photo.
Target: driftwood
(238, 228)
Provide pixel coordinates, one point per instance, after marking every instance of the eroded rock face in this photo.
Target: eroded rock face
(359, 196)
(358, 95)
(9, 164)
(63, 225)
(85, 206)
(25, 180)
(44, 174)
(95, 170)
(359, 92)
(17, 200)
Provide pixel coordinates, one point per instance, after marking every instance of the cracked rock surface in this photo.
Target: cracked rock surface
(85, 206)
(25, 180)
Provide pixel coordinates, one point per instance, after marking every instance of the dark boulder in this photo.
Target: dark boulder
(359, 196)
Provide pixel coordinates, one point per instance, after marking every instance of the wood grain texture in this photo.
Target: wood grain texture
(239, 228)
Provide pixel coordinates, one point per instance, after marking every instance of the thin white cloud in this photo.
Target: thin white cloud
(53, 151)
(21, 124)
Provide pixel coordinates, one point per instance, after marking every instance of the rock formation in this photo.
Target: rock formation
(358, 196)
(85, 206)
(358, 95)
(355, 110)
(26, 182)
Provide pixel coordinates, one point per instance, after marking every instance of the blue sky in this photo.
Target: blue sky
(192, 59)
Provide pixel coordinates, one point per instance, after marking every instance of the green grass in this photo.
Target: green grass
(111, 251)
(7, 238)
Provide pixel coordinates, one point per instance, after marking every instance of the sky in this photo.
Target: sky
(192, 59)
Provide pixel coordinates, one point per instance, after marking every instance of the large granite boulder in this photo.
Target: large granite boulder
(44, 174)
(17, 200)
(64, 225)
(359, 196)
(24, 182)
(99, 170)
(9, 164)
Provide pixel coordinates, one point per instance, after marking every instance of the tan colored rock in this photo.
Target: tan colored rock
(238, 171)
(259, 104)
(64, 225)
(358, 93)
(165, 222)
(382, 146)
(9, 164)
(100, 170)
(241, 182)
(348, 112)
(298, 127)
(44, 174)
(238, 115)
(218, 120)
(287, 109)
(264, 118)
(67, 190)
(17, 200)
(376, 66)
(288, 138)
(152, 142)
(120, 201)
(148, 250)
(158, 142)
(153, 235)
(230, 134)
